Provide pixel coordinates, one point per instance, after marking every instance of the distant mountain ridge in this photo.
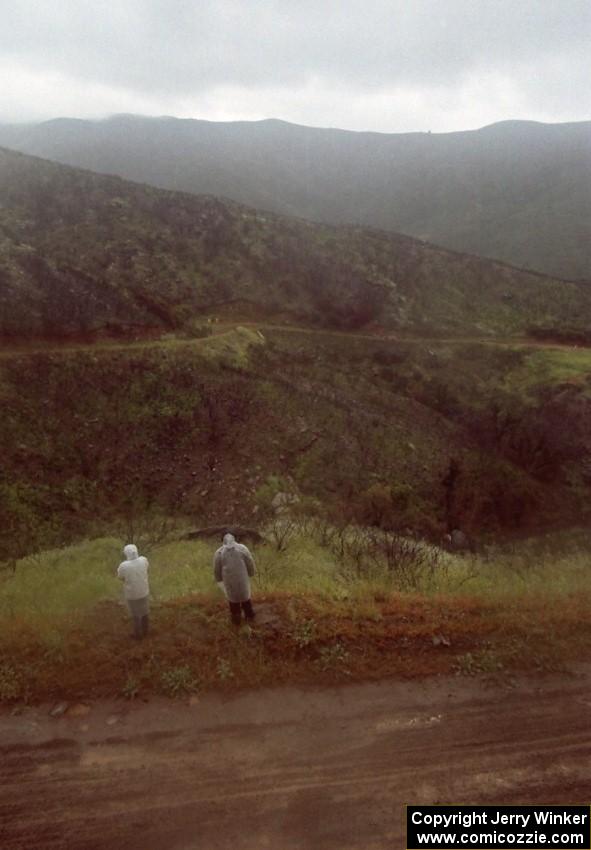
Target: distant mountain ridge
(82, 253)
(517, 191)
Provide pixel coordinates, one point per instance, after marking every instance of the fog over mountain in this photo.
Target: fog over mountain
(82, 253)
(518, 191)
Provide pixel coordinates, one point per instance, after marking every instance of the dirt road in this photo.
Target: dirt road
(227, 329)
(288, 769)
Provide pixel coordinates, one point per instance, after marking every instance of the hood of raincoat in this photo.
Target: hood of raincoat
(229, 541)
(130, 551)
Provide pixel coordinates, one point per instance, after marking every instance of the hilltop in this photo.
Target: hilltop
(518, 191)
(85, 254)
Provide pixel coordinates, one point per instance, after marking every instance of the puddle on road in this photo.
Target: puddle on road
(418, 722)
(124, 756)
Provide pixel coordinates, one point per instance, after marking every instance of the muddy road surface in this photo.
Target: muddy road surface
(288, 769)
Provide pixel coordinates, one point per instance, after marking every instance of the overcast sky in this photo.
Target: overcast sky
(388, 65)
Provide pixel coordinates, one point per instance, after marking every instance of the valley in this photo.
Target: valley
(215, 393)
(172, 362)
(295, 423)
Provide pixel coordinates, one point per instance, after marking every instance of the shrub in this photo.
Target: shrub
(197, 331)
(11, 685)
(131, 688)
(411, 563)
(333, 656)
(391, 507)
(178, 681)
(224, 670)
(303, 633)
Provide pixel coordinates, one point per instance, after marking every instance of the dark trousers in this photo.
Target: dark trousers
(235, 611)
(141, 626)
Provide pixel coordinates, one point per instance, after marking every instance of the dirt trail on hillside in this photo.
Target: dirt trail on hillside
(227, 329)
(287, 769)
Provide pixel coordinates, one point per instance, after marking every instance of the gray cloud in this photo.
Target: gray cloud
(242, 59)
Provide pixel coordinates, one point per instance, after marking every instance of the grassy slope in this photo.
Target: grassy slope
(517, 191)
(83, 254)
(63, 635)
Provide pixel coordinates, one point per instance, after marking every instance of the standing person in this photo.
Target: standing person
(233, 566)
(134, 573)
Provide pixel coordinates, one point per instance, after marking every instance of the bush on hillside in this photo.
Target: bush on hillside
(393, 507)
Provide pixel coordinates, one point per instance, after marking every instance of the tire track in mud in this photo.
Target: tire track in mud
(338, 777)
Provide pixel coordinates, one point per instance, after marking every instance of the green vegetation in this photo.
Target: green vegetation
(86, 257)
(552, 366)
(391, 434)
(517, 191)
(323, 613)
(178, 681)
(353, 452)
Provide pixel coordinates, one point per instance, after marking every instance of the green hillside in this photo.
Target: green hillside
(172, 364)
(403, 435)
(83, 254)
(331, 395)
(517, 191)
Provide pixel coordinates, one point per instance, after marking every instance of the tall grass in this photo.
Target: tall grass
(552, 566)
(524, 606)
(61, 585)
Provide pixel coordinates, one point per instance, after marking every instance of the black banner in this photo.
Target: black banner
(506, 827)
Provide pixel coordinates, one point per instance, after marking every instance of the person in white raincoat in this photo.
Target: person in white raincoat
(233, 566)
(136, 589)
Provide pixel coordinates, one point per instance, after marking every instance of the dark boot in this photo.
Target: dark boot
(248, 611)
(145, 625)
(235, 613)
